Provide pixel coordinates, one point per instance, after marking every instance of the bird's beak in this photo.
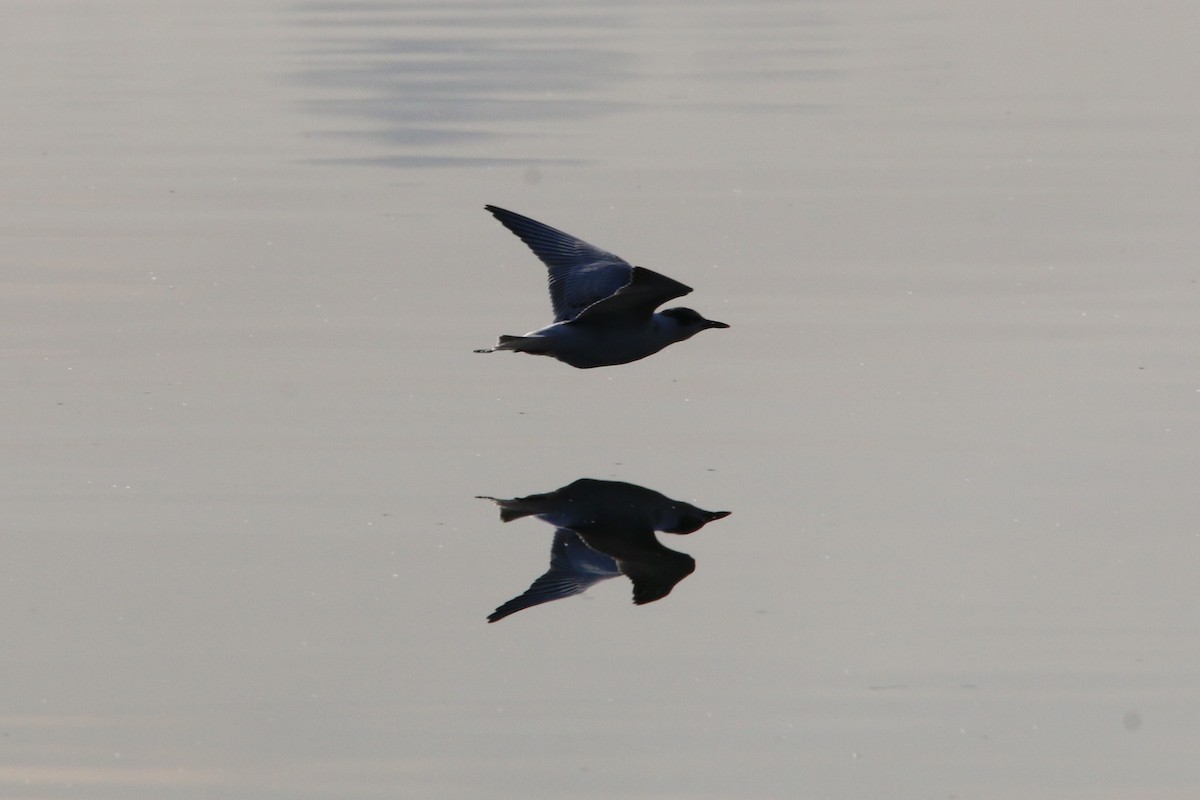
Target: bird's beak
(712, 323)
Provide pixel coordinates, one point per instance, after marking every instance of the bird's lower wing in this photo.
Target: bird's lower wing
(574, 568)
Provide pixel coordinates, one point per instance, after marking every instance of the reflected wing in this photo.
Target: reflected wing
(580, 273)
(654, 577)
(574, 567)
(646, 291)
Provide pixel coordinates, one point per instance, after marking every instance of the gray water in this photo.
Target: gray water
(956, 417)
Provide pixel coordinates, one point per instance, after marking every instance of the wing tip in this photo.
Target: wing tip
(647, 276)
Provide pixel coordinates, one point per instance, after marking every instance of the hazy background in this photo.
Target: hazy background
(956, 419)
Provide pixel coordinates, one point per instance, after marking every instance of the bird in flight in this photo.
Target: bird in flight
(604, 307)
(605, 529)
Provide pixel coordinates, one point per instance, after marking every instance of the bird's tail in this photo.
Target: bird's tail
(520, 344)
(517, 507)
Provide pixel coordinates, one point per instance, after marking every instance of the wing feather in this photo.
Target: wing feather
(581, 274)
(646, 291)
(574, 568)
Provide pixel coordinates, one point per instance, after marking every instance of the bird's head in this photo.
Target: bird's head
(688, 320)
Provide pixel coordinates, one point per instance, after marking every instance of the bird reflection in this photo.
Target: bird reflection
(606, 529)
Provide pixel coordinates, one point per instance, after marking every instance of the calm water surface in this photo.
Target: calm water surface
(956, 417)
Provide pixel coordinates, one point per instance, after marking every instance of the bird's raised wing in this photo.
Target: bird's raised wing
(646, 291)
(580, 273)
(574, 567)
